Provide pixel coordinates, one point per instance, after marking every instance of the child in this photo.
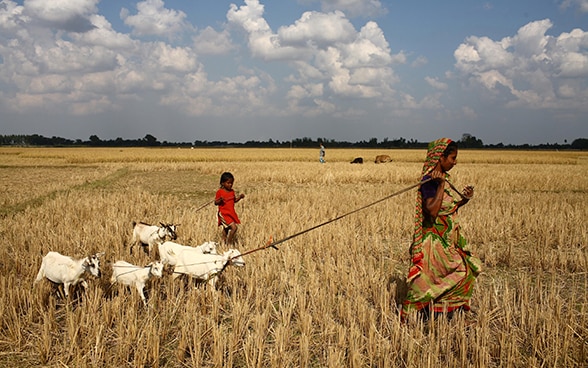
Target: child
(225, 200)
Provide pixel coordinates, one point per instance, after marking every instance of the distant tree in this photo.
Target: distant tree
(150, 140)
(469, 141)
(94, 140)
(580, 143)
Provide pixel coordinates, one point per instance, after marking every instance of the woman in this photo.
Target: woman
(443, 272)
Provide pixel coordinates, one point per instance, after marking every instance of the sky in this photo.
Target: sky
(504, 71)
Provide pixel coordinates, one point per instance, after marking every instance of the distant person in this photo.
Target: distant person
(443, 271)
(322, 154)
(225, 199)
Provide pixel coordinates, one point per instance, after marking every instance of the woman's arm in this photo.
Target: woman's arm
(433, 204)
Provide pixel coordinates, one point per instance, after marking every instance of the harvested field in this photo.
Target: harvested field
(326, 298)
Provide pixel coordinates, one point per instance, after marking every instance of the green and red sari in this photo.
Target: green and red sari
(443, 271)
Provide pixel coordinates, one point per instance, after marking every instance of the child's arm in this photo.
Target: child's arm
(240, 197)
(218, 200)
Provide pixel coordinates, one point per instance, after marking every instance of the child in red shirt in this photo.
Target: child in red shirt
(225, 199)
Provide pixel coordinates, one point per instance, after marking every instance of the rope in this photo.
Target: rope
(134, 269)
(456, 190)
(204, 205)
(274, 244)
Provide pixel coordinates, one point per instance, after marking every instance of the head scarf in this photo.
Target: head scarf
(434, 152)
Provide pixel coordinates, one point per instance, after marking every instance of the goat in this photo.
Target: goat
(205, 267)
(129, 274)
(151, 235)
(65, 270)
(169, 251)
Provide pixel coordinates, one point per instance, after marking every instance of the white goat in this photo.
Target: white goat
(205, 267)
(151, 235)
(68, 271)
(129, 274)
(169, 251)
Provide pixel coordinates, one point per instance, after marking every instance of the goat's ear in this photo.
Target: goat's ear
(162, 224)
(99, 255)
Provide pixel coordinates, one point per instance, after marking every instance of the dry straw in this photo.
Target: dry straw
(329, 298)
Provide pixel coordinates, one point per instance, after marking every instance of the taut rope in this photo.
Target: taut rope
(273, 244)
(204, 205)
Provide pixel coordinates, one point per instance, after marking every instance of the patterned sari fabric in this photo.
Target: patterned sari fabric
(443, 272)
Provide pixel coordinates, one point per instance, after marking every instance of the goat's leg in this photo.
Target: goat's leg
(142, 294)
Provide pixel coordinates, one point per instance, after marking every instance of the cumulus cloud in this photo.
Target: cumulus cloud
(318, 29)
(435, 83)
(11, 16)
(100, 69)
(324, 49)
(419, 62)
(581, 4)
(153, 19)
(530, 68)
(261, 40)
(209, 41)
(71, 16)
(331, 61)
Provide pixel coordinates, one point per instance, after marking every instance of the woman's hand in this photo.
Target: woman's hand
(437, 174)
(468, 192)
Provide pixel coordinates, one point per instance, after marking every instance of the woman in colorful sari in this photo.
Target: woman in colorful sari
(443, 271)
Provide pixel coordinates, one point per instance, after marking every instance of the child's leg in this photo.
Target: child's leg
(232, 231)
(226, 230)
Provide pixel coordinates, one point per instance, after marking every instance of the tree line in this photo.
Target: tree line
(466, 141)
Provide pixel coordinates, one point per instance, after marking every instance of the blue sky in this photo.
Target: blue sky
(510, 72)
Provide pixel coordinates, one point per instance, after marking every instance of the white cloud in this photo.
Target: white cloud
(419, 62)
(249, 16)
(209, 41)
(103, 35)
(99, 69)
(11, 18)
(435, 83)
(62, 14)
(532, 66)
(581, 4)
(237, 96)
(318, 29)
(262, 42)
(153, 19)
(323, 48)
(163, 57)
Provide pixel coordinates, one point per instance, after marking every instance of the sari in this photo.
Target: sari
(443, 271)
